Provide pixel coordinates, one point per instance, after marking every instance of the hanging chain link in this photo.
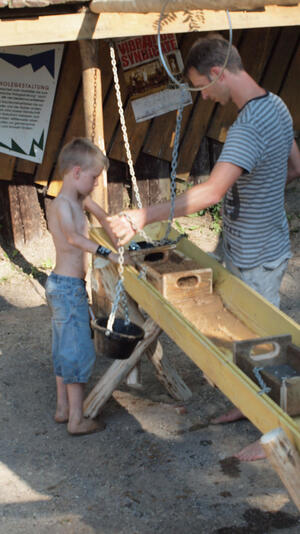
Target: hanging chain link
(123, 124)
(165, 239)
(125, 135)
(174, 165)
(120, 294)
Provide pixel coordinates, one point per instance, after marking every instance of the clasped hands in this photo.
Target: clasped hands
(124, 225)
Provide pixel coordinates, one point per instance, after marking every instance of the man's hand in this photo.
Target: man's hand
(122, 227)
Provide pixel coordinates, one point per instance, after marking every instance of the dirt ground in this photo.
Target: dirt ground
(159, 466)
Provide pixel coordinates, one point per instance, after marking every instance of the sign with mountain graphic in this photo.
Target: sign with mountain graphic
(28, 79)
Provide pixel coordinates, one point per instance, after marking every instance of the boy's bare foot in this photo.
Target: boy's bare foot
(233, 415)
(61, 414)
(252, 452)
(85, 426)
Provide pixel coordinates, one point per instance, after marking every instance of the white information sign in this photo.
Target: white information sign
(28, 78)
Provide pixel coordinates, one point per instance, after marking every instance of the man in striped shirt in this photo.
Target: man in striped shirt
(258, 158)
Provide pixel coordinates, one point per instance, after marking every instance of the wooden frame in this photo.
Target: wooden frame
(217, 366)
(78, 26)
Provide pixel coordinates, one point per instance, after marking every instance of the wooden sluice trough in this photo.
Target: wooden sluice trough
(208, 321)
(206, 326)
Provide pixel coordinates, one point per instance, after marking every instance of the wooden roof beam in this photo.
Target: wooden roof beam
(87, 25)
(146, 6)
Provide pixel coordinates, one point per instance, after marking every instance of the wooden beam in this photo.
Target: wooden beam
(78, 26)
(285, 460)
(144, 6)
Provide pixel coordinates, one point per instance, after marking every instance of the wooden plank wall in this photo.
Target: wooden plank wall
(270, 55)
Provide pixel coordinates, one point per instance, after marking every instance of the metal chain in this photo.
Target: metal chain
(136, 230)
(123, 124)
(174, 164)
(120, 294)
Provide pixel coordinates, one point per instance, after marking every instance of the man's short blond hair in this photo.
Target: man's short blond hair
(83, 153)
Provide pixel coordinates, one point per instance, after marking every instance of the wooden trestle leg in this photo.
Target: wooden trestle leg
(117, 372)
(103, 288)
(284, 458)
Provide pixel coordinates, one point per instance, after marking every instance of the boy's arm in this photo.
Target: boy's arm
(66, 221)
(90, 205)
(67, 225)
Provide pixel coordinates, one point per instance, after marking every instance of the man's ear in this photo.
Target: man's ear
(215, 72)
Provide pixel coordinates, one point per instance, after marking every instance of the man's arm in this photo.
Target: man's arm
(293, 163)
(199, 197)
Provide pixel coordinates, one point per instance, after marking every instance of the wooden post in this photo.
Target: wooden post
(93, 108)
(285, 460)
(25, 212)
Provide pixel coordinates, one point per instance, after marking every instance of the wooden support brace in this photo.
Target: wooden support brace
(118, 371)
(285, 460)
(165, 373)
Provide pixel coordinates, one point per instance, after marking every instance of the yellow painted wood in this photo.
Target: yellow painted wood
(54, 187)
(243, 392)
(77, 26)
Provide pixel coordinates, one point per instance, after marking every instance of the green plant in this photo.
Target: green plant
(179, 226)
(33, 271)
(46, 264)
(215, 212)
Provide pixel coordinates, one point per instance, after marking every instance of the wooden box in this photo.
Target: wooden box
(175, 276)
(277, 362)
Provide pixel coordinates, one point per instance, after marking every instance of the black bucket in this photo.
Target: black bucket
(120, 343)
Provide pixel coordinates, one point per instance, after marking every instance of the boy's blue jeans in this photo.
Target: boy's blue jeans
(73, 349)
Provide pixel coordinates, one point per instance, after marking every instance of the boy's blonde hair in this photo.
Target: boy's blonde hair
(80, 152)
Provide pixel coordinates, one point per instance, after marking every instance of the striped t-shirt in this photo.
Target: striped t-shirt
(255, 228)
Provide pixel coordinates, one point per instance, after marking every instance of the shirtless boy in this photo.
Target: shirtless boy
(80, 163)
